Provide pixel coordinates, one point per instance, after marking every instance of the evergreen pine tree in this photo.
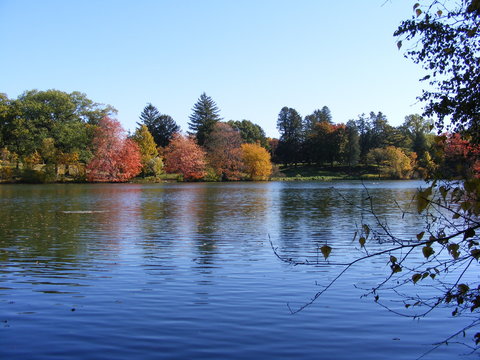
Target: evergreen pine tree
(161, 126)
(165, 128)
(205, 116)
(149, 116)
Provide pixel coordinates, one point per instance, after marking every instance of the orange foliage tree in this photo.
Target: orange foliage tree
(184, 156)
(256, 161)
(223, 151)
(116, 158)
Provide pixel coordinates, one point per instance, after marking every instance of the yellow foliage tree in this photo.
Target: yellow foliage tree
(392, 161)
(256, 161)
(147, 146)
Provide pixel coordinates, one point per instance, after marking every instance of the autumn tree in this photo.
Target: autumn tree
(204, 117)
(310, 128)
(223, 151)
(116, 158)
(256, 161)
(458, 157)
(161, 126)
(272, 149)
(185, 157)
(393, 162)
(146, 145)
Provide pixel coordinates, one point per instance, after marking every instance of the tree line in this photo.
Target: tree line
(47, 135)
(52, 135)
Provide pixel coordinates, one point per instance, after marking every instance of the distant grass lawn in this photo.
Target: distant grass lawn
(304, 172)
(300, 172)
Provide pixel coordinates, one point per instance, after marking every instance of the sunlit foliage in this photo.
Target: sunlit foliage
(185, 157)
(116, 158)
(147, 147)
(256, 162)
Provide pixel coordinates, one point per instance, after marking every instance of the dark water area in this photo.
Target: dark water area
(186, 271)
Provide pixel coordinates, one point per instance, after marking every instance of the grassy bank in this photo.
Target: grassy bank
(326, 173)
(43, 174)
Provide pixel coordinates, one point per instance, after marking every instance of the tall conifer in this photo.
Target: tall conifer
(204, 117)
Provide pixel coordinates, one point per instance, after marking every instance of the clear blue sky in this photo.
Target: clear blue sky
(251, 56)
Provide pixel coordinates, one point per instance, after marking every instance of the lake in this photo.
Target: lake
(186, 271)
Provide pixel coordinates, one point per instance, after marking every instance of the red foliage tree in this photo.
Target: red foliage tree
(116, 158)
(184, 156)
(462, 158)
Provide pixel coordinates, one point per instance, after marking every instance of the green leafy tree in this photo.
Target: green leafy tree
(204, 117)
(251, 133)
(89, 111)
(416, 128)
(68, 119)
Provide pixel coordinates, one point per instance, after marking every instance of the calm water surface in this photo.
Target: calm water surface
(186, 271)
